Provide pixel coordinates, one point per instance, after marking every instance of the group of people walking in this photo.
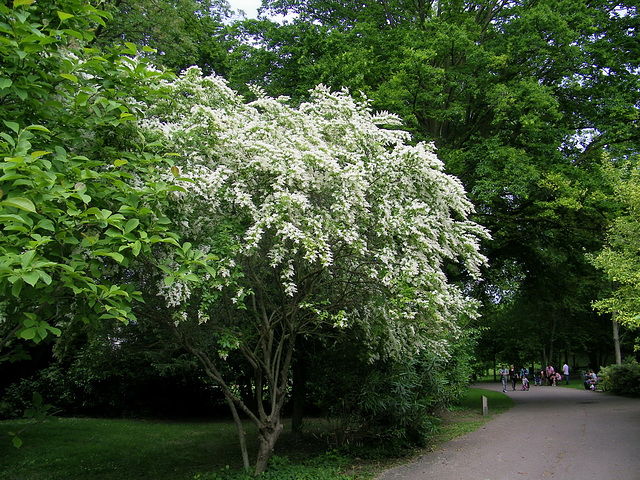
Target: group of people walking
(546, 376)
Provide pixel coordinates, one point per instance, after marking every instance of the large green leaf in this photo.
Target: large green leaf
(20, 203)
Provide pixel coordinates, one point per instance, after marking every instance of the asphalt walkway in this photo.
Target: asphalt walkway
(551, 433)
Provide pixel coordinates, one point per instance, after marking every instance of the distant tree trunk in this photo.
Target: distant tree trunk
(616, 339)
(298, 395)
(552, 335)
(495, 368)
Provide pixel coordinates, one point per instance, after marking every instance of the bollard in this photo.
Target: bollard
(485, 406)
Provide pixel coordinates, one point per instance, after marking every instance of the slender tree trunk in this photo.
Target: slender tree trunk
(552, 335)
(616, 339)
(241, 434)
(299, 390)
(298, 393)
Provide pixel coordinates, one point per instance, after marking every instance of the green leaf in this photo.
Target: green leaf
(131, 47)
(56, 331)
(8, 218)
(81, 98)
(27, 258)
(18, 3)
(31, 277)
(46, 224)
(12, 125)
(118, 257)
(46, 278)
(39, 153)
(131, 224)
(69, 76)
(8, 138)
(19, 202)
(40, 128)
(5, 83)
(16, 441)
(20, 92)
(28, 333)
(64, 16)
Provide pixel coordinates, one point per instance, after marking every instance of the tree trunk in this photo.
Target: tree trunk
(268, 435)
(616, 339)
(552, 335)
(298, 393)
(241, 434)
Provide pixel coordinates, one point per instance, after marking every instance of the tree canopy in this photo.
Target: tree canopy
(619, 257)
(79, 197)
(522, 99)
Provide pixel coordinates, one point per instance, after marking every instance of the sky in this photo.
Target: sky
(250, 7)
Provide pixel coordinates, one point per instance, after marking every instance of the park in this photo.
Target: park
(305, 245)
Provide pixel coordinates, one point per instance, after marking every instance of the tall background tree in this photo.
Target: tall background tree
(180, 32)
(523, 100)
(619, 257)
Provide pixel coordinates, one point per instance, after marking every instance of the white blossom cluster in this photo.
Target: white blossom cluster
(325, 186)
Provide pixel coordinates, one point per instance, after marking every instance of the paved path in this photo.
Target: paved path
(551, 433)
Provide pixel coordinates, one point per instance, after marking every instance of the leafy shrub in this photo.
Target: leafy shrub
(621, 379)
(326, 467)
(388, 405)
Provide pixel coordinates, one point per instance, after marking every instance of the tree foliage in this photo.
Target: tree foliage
(522, 99)
(79, 201)
(180, 33)
(619, 258)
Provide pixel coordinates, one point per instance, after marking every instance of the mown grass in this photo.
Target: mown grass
(108, 449)
(468, 416)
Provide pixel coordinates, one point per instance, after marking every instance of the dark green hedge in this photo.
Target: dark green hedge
(621, 379)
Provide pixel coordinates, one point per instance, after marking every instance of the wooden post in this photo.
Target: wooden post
(485, 406)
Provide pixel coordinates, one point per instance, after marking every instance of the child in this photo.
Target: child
(525, 383)
(537, 378)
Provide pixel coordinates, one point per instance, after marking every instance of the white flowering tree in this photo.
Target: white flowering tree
(317, 217)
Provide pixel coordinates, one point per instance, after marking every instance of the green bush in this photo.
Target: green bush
(621, 379)
(326, 467)
(381, 408)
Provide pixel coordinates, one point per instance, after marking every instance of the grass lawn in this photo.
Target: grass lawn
(468, 416)
(83, 448)
(108, 449)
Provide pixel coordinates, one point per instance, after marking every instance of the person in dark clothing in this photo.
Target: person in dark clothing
(513, 376)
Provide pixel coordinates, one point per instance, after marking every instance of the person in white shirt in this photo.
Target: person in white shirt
(504, 373)
(565, 372)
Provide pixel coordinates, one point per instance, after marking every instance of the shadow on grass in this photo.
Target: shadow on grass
(113, 449)
(108, 449)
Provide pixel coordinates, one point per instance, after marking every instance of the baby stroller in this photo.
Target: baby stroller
(537, 378)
